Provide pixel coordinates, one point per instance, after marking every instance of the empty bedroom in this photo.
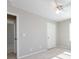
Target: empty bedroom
(38, 29)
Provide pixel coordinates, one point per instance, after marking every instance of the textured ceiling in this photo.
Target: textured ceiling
(44, 8)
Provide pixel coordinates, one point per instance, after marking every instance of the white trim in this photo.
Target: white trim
(44, 50)
(14, 14)
(17, 26)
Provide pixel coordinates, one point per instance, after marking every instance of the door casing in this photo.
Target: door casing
(17, 32)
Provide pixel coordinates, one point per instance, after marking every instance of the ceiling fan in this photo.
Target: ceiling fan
(61, 5)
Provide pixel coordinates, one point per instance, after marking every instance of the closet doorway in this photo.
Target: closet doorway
(11, 37)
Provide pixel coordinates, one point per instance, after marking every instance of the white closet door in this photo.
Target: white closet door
(51, 32)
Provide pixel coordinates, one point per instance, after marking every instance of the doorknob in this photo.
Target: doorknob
(15, 38)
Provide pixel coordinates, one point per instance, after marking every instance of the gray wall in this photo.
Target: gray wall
(32, 34)
(63, 34)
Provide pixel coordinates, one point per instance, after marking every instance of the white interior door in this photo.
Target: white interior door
(51, 32)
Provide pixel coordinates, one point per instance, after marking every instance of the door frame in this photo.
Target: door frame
(17, 31)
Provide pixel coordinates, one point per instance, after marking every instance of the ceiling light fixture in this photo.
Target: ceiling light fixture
(59, 6)
(58, 11)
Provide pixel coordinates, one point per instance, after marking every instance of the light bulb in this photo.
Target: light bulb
(58, 11)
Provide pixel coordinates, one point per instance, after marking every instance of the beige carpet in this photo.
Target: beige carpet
(11, 56)
(56, 53)
(64, 55)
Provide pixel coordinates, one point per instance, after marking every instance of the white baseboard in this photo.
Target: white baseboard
(32, 53)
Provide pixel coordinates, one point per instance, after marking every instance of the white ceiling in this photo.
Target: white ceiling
(44, 8)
